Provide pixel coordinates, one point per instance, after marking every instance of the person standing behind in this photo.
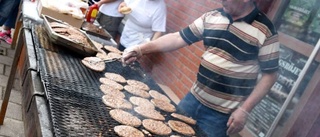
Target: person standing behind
(109, 18)
(8, 16)
(240, 42)
(145, 22)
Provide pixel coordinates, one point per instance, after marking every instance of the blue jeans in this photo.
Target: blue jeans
(212, 122)
(10, 21)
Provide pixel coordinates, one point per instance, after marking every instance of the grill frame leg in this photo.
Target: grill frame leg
(11, 76)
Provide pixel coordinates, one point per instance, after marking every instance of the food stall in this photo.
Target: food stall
(63, 97)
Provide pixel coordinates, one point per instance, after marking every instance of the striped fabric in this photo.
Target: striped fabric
(236, 51)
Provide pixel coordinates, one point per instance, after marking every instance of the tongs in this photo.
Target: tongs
(112, 60)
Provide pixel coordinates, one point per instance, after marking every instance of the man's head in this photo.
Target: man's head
(237, 8)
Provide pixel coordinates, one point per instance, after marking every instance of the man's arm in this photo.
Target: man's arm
(168, 42)
(104, 1)
(262, 88)
(156, 35)
(238, 118)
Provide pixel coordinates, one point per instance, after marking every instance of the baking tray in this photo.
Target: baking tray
(94, 30)
(85, 50)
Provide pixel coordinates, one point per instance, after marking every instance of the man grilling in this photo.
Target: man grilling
(240, 42)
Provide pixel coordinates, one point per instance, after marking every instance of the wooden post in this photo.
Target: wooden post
(11, 76)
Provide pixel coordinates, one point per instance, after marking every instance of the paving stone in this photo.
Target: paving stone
(14, 111)
(17, 85)
(15, 96)
(7, 70)
(5, 45)
(1, 92)
(10, 53)
(2, 66)
(3, 80)
(3, 51)
(12, 128)
(6, 60)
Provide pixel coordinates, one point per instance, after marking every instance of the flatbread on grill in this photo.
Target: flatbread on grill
(127, 131)
(116, 102)
(115, 77)
(111, 91)
(141, 102)
(137, 91)
(156, 127)
(184, 118)
(175, 136)
(138, 84)
(163, 105)
(181, 127)
(149, 113)
(113, 55)
(97, 45)
(110, 57)
(125, 117)
(157, 95)
(111, 83)
(94, 63)
(102, 55)
(112, 49)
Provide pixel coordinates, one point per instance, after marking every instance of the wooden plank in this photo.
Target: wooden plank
(11, 78)
(297, 45)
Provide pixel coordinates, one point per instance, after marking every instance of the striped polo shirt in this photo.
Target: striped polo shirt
(236, 52)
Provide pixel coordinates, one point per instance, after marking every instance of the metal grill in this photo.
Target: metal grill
(73, 92)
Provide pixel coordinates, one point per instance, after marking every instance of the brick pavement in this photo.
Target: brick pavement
(13, 122)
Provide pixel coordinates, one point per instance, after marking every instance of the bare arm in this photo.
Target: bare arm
(261, 89)
(238, 118)
(156, 35)
(168, 42)
(104, 1)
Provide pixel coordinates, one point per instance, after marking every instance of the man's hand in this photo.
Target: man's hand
(131, 54)
(237, 121)
(121, 5)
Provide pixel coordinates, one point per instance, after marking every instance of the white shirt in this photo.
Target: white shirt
(111, 9)
(147, 16)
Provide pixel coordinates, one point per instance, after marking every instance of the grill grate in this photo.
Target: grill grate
(74, 96)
